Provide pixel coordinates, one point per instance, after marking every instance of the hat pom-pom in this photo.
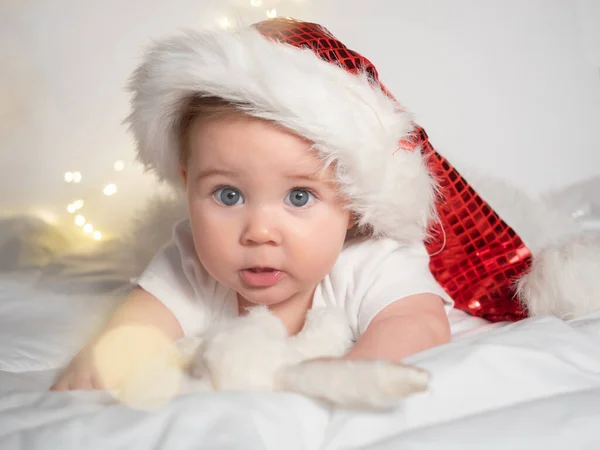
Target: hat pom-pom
(564, 279)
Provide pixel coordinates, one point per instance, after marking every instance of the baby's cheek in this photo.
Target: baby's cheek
(314, 270)
(214, 241)
(329, 235)
(317, 256)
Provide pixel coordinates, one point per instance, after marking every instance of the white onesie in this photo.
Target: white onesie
(367, 276)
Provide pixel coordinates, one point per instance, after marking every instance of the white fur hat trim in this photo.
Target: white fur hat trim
(348, 117)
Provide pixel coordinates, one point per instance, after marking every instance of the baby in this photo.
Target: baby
(301, 195)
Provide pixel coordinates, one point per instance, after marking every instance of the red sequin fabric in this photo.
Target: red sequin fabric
(474, 255)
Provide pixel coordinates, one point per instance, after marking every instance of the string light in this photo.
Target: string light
(76, 205)
(72, 177)
(72, 208)
(110, 189)
(119, 165)
(225, 23)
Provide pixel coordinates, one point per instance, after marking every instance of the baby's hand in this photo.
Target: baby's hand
(81, 374)
(117, 357)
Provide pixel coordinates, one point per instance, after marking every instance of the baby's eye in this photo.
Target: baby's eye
(299, 198)
(228, 196)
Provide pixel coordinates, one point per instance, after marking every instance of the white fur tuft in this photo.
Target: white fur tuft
(349, 119)
(325, 333)
(246, 352)
(564, 279)
(354, 383)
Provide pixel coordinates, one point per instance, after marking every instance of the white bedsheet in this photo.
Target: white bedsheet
(530, 385)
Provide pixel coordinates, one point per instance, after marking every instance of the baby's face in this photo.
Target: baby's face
(266, 221)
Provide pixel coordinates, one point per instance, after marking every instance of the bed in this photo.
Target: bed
(534, 384)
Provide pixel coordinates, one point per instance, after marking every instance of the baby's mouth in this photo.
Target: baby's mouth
(261, 269)
(262, 276)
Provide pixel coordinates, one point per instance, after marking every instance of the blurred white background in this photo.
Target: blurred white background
(507, 87)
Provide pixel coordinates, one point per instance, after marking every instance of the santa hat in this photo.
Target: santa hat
(297, 74)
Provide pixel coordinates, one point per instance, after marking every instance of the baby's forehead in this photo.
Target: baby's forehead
(245, 145)
(289, 169)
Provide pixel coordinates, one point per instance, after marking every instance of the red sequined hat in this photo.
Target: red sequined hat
(299, 75)
(475, 256)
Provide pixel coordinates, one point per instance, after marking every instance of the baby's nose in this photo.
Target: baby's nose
(261, 227)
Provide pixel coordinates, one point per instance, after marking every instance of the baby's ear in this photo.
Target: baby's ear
(183, 172)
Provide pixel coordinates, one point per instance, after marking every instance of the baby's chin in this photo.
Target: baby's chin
(269, 297)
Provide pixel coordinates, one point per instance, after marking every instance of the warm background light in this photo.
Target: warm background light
(67, 142)
(110, 189)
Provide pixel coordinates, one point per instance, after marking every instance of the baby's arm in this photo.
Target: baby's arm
(139, 308)
(405, 327)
